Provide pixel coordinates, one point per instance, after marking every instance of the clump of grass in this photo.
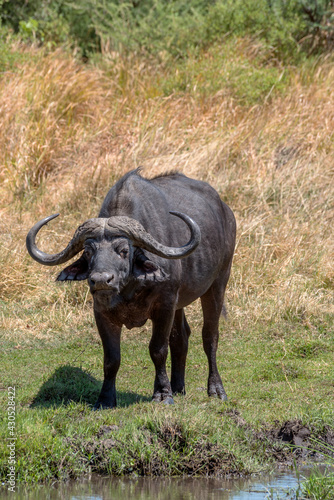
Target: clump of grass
(12, 52)
(320, 485)
(239, 71)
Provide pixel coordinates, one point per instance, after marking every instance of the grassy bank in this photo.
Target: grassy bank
(60, 437)
(68, 132)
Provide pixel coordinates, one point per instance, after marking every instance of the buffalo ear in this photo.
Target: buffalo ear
(146, 269)
(77, 271)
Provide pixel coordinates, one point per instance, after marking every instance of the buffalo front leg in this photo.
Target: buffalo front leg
(178, 343)
(111, 338)
(212, 303)
(162, 323)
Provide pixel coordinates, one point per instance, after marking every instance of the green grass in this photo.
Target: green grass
(233, 69)
(266, 373)
(11, 53)
(320, 485)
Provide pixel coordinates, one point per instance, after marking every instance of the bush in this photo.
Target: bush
(160, 27)
(55, 21)
(287, 26)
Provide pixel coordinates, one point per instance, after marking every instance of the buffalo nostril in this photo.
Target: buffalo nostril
(94, 278)
(102, 281)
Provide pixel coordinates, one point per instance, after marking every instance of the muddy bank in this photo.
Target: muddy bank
(199, 458)
(170, 451)
(291, 441)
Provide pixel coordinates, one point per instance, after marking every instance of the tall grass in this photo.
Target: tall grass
(69, 131)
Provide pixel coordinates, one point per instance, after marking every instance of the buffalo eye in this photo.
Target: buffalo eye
(89, 251)
(124, 253)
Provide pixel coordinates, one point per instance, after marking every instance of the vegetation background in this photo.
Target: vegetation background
(237, 93)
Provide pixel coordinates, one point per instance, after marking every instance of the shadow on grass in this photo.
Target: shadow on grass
(71, 384)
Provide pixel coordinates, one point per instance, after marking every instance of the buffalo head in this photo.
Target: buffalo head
(112, 252)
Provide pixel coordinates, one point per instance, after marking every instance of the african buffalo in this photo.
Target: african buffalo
(137, 269)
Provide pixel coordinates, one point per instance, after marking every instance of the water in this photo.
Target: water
(280, 486)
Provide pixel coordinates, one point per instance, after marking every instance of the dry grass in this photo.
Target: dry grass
(69, 131)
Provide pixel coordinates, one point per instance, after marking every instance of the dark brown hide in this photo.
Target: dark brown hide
(149, 272)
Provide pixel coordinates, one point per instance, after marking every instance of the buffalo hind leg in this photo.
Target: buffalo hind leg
(212, 304)
(178, 343)
(162, 320)
(111, 337)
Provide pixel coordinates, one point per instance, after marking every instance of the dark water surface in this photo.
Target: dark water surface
(255, 488)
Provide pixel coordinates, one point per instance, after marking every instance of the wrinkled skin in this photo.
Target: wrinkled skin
(130, 285)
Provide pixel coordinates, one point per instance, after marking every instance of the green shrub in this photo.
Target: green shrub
(175, 28)
(55, 21)
(287, 26)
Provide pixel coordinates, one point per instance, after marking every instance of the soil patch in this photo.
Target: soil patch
(170, 450)
(290, 441)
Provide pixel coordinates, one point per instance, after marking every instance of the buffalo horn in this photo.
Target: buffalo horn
(133, 230)
(125, 226)
(89, 229)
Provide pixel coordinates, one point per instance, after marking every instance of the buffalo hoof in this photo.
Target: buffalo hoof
(216, 388)
(218, 393)
(168, 401)
(222, 396)
(160, 398)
